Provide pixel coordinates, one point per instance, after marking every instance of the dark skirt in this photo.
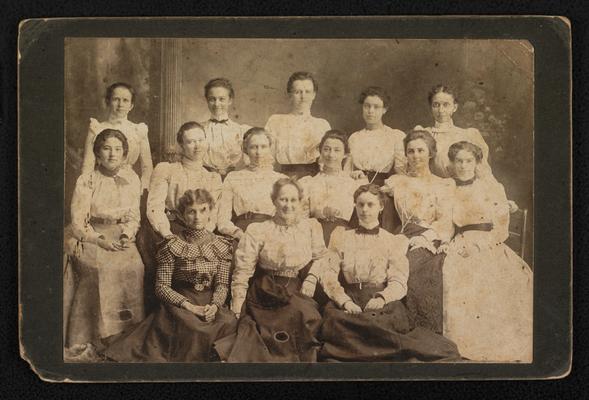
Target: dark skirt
(172, 334)
(388, 334)
(297, 171)
(243, 221)
(424, 298)
(277, 324)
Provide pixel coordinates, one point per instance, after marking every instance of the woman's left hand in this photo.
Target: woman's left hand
(417, 242)
(308, 288)
(374, 304)
(210, 312)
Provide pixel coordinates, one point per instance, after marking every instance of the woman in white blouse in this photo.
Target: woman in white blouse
(245, 195)
(120, 100)
(424, 204)
(488, 292)
(279, 321)
(329, 194)
(107, 295)
(298, 133)
(366, 277)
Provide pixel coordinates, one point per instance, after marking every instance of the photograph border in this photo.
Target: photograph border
(41, 179)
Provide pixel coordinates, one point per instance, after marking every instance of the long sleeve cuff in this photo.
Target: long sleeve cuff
(220, 295)
(237, 301)
(393, 292)
(341, 298)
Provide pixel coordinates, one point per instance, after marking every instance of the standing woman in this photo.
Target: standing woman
(120, 100)
(298, 133)
(488, 291)
(424, 204)
(192, 284)
(171, 180)
(245, 196)
(444, 103)
(329, 195)
(224, 135)
(366, 321)
(107, 269)
(279, 321)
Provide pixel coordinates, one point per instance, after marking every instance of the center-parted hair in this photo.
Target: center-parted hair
(219, 82)
(301, 76)
(372, 189)
(110, 133)
(423, 135)
(116, 85)
(337, 135)
(468, 146)
(442, 89)
(197, 196)
(378, 92)
(186, 127)
(282, 182)
(247, 136)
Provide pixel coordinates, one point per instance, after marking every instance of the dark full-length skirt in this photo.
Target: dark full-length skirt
(172, 334)
(388, 334)
(277, 324)
(103, 290)
(424, 298)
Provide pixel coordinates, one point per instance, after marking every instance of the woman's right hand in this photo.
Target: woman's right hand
(107, 244)
(358, 174)
(199, 311)
(351, 308)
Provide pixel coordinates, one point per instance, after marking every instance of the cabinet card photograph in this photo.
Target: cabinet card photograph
(286, 206)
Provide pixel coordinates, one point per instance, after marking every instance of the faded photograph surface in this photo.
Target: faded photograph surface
(298, 200)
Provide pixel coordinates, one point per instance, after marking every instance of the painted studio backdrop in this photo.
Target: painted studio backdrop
(494, 80)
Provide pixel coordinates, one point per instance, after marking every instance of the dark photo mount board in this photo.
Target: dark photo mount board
(41, 188)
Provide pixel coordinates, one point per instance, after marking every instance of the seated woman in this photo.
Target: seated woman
(245, 195)
(120, 100)
(192, 284)
(329, 194)
(424, 204)
(298, 133)
(279, 321)
(488, 291)
(106, 294)
(366, 321)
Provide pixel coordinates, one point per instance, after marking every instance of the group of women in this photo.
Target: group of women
(292, 242)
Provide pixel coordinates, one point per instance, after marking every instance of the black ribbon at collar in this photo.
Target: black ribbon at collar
(464, 183)
(218, 121)
(365, 231)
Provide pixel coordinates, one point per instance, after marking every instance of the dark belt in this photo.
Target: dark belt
(360, 285)
(485, 227)
(252, 215)
(334, 220)
(105, 221)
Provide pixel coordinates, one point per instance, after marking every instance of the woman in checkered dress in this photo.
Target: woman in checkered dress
(192, 284)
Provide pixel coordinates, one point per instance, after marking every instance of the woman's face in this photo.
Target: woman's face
(111, 153)
(417, 154)
(197, 215)
(219, 101)
(333, 152)
(194, 143)
(120, 102)
(372, 110)
(302, 95)
(443, 107)
(464, 165)
(368, 207)
(258, 149)
(287, 202)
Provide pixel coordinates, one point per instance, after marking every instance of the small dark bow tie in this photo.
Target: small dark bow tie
(219, 121)
(364, 231)
(464, 183)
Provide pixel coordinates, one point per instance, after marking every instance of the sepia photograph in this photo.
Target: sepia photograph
(298, 200)
(295, 198)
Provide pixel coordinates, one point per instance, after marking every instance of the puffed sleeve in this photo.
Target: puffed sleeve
(272, 129)
(156, 199)
(80, 208)
(329, 279)
(224, 254)
(246, 257)
(318, 249)
(132, 218)
(305, 183)
(163, 281)
(483, 169)
(144, 156)
(442, 227)
(225, 209)
(389, 184)
(397, 269)
(400, 160)
(215, 188)
(89, 160)
(500, 207)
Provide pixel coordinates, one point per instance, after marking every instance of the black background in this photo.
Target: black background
(19, 381)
